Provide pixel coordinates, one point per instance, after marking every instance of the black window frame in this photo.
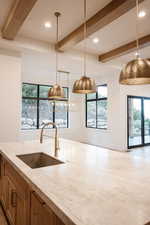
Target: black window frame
(142, 98)
(38, 99)
(97, 99)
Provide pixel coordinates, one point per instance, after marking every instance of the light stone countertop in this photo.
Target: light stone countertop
(95, 186)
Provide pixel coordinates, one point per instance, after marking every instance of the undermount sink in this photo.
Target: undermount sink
(39, 159)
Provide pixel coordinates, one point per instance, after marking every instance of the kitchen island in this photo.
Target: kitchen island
(94, 186)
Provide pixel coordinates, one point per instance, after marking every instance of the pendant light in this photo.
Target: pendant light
(85, 85)
(136, 71)
(69, 104)
(56, 92)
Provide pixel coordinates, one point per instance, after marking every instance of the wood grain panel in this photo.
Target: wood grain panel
(124, 49)
(3, 220)
(102, 18)
(17, 15)
(41, 214)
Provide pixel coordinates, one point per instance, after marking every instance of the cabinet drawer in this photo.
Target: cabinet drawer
(41, 214)
(22, 186)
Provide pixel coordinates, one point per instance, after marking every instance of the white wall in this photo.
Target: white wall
(39, 67)
(112, 137)
(10, 95)
(115, 137)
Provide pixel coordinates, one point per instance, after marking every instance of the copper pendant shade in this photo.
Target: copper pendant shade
(84, 86)
(136, 72)
(56, 92)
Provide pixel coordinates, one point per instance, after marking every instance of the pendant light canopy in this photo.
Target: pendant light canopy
(85, 85)
(137, 71)
(56, 92)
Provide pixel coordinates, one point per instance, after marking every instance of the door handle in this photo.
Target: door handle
(13, 198)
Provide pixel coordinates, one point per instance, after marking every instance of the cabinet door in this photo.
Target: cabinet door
(41, 215)
(11, 209)
(22, 217)
(3, 184)
(4, 192)
(19, 197)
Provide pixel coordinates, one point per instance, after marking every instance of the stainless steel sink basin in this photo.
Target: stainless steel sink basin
(39, 159)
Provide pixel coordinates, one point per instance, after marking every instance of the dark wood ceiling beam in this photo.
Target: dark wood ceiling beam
(105, 16)
(17, 15)
(124, 49)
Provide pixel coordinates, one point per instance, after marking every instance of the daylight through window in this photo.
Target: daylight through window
(37, 109)
(96, 108)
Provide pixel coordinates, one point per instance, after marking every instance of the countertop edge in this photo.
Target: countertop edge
(59, 212)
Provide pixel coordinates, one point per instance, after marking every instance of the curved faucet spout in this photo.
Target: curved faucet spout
(56, 136)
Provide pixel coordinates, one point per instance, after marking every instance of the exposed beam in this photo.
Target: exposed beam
(124, 49)
(17, 15)
(105, 16)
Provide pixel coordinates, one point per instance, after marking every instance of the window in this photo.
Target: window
(96, 108)
(37, 109)
(138, 121)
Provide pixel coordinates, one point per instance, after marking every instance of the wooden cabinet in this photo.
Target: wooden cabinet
(3, 185)
(4, 191)
(11, 200)
(14, 195)
(22, 206)
(41, 214)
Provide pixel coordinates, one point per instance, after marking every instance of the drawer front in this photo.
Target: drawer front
(21, 185)
(11, 209)
(41, 214)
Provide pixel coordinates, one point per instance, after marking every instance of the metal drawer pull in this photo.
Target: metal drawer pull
(13, 199)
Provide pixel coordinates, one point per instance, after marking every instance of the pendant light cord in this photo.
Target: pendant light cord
(85, 44)
(137, 30)
(57, 15)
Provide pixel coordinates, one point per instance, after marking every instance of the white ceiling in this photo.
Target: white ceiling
(72, 17)
(119, 32)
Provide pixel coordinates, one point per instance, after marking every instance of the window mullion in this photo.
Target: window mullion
(38, 116)
(54, 108)
(95, 100)
(96, 113)
(37, 100)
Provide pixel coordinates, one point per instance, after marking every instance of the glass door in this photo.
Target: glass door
(146, 121)
(134, 121)
(138, 121)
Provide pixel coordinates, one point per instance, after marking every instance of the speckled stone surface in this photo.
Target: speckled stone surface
(94, 186)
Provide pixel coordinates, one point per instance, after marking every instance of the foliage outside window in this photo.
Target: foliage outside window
(38, 110)
(138, 120)
(96, 108)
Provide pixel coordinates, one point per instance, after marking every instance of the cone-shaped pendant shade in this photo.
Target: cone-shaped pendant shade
(136, 72)
(56, 92)
(84, 86)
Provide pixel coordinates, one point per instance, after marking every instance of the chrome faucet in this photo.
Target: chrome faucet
(56, 136)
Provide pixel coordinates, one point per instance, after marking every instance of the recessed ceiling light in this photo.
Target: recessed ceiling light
(95, 40)
(47, 24)
(137, 54)
(142, 14)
